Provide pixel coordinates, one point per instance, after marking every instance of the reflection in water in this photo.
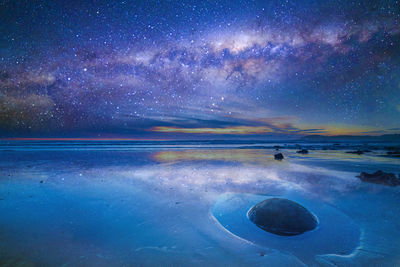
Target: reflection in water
(236, 155)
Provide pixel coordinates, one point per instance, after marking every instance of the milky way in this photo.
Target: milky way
(184, 69)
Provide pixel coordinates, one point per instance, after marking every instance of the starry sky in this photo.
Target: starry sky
(199, 69)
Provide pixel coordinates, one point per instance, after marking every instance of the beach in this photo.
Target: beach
(185, 204)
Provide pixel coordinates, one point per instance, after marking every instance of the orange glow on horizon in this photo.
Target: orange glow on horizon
(226, 130)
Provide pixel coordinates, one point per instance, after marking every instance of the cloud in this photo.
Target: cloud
(374, 132)
(239, 130)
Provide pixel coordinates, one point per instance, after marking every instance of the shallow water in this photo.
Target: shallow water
(87, 204)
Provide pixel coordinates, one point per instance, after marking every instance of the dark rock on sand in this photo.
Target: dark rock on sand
(358, 152)
(279, 156)
(380, 177)
(302, 151)
(392, 148)
(281, 216)
(393, 153)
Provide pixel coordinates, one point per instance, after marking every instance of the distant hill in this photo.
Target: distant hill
(369, 138)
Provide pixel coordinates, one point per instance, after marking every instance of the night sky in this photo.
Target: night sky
(199, 69)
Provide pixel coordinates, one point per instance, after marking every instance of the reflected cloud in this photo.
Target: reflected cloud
(237, 155)
(261, 175)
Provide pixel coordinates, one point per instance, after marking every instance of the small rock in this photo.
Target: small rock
(279, 156)
(380, 177)
(302, 151)
(41, 181)
(358, 152)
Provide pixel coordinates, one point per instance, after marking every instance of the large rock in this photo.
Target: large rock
(380, 177)
(279, 156)
(282, 217)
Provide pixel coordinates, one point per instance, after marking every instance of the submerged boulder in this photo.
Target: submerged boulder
(279, 156)
(283, 217)
(380, 177)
